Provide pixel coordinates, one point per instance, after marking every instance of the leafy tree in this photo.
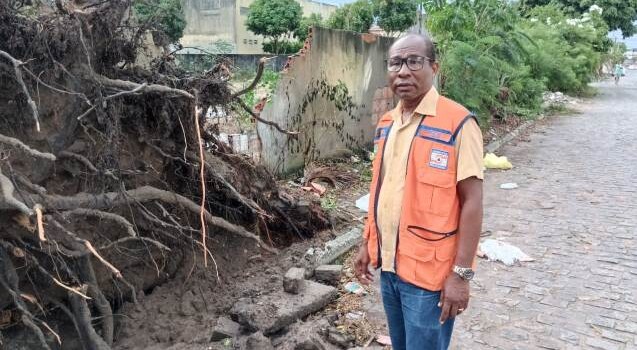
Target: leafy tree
(283, 46)
(618, 14)
(274, 19)
(314, 19)
(163, 15)
(357, 17)
(396, 16)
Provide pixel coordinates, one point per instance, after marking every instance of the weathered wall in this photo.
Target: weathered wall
(333, 92)
(211, 21)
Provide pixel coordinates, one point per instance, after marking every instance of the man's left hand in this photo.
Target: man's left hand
(454, 297)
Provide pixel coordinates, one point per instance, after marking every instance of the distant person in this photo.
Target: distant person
(425, 212)
(618, 73)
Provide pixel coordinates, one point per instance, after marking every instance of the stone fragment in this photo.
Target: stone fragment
(225, 328)
(293, 280)
(257, 341)
(328, 273)
(335, 337)
(272, 312)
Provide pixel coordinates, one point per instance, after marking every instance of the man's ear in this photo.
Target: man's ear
(435, 67)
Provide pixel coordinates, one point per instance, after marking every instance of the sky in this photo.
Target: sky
(631, 42)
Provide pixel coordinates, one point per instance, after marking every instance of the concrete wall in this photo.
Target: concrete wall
(211, 21)
(333, 92)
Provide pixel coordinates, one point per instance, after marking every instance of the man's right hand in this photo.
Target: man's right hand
(361, 265)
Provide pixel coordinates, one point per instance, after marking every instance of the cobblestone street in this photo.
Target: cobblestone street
(575, 213)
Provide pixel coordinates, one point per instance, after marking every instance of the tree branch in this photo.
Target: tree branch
(267, 122)
(256, 80)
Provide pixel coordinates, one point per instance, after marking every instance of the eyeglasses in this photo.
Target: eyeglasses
(414, 63)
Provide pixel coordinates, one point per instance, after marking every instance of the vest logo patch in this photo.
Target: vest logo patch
(439, 159)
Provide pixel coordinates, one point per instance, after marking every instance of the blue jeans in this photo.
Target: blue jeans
(413, 315)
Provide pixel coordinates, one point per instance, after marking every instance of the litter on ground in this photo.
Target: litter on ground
(363, 203)
(354, 288)
(508, 254)
(509, 186)
(491, 161)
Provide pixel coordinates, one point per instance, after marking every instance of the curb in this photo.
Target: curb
(495, 145)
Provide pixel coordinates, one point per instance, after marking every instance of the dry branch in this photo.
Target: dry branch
(256, 80)
(18, 74)
(202, 175)
(267, 122)
(19, 144)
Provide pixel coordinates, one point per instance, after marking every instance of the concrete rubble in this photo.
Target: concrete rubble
(272, 312)
(293, 280)
(330, 274)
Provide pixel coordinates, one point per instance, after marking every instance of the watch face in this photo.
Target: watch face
(468, 275)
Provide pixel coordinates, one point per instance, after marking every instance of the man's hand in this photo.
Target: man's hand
(454, 298)
(361, 265)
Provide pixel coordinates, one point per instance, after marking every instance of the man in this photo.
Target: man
(425, 203)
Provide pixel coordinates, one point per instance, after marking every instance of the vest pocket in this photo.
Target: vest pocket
(443, 194)
(424, 264)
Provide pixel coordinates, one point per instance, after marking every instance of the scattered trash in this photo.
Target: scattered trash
(383, 340)
(354, 288)
(491, 161)
(509, 186)
(356, 315)
(363, 203)
(495, 250)
(355, 159)
(316, 188)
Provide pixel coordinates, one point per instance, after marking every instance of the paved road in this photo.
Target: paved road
(575, 212)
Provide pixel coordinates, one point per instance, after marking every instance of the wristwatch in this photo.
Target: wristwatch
(465, 273)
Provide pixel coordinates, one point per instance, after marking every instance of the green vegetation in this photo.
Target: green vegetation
(395, 16)
(302, 31)
(275, 20)
(617, 14)
(166, 16)
(497, 58)
(269, 81)
(357, 16)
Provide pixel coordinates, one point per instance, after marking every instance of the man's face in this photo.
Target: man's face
(409, 84)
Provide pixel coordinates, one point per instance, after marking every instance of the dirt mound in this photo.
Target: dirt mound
(104, 189)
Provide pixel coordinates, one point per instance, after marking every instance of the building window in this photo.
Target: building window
(209, 5)
(245, 41)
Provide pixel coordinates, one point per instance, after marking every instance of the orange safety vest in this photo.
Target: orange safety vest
(426, 243)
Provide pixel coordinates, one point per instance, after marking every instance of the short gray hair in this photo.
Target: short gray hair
(430, 50)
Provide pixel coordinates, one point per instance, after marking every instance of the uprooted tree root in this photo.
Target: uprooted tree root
(101, 174)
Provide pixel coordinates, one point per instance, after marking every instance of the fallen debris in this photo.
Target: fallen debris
(224, 329)
(330, 274)
(272, 312)
(293, 280)
(508, 254)
(338, 246)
